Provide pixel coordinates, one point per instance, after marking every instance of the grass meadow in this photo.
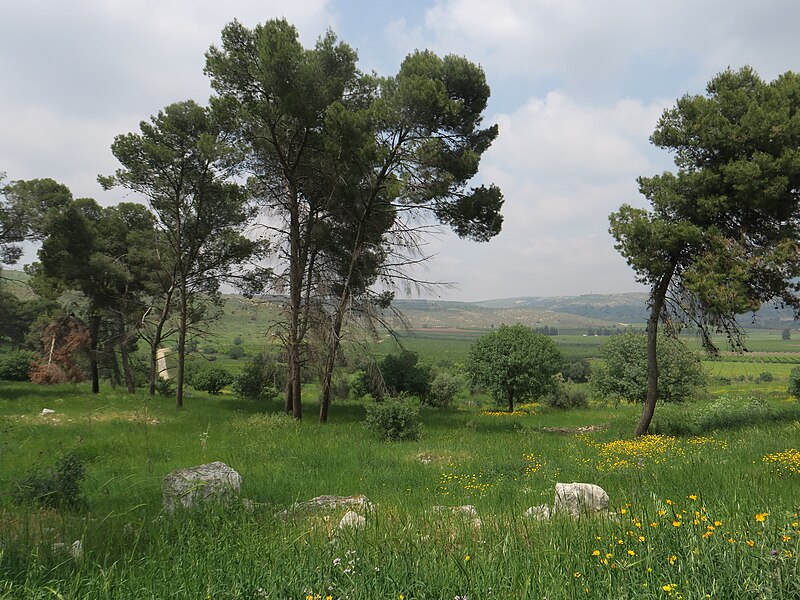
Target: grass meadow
(708, 515)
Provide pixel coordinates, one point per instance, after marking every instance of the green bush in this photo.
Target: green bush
(211, 379)
(258, 379)
(393, 421)
(622, 374)
(566, 396)
(57, 487)
(577, 371)
(236, 352)
(444, 388)
(16, 366)
(165, 387)
(403, 374)
(794, 382)
(765, 377)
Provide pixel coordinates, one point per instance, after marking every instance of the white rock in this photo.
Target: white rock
(540, 512)
(75, 549)
(329, 503)
(352, 519)
(576, 499)
(47, 411)
(189, 488)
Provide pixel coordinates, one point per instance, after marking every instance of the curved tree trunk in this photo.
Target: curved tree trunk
(658, 297)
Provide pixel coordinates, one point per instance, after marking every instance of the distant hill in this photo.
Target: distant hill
(484, 315)
(16, 283)
(617, 308)
(608, 311)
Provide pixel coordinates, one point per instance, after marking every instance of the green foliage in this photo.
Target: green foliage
(16, 366)
(443, 389)
(765, 377)
(566, 395)
(394, 421)
(402, 374)
(737, 162)
(56, 487)
(577, 371)
(236, 353)
(210, 379)
(165, 388)
(258, 379)
(794, 382)
(622, 374)
(514, 363)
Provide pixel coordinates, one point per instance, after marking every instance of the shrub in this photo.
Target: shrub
(257, 380)
(16, 366)
(164, 387)
(393, 421)
(211, 380)
(794, 382)
(622, 374)
(401, 373)
(57, 487)
(566, 396)
(236, 352)
(443, 389)
(765, 376)
(237, 341)
(577, 371)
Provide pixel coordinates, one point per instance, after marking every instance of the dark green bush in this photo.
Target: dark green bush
(765, 376)
(443, 389)
(794, 382)
(16, 366)
(393, 421)
(211, 379)
(258, 379)
(566, 396)
(577, 371)
(165, 387)
(402, 374)
(236, 352)
(56, 487)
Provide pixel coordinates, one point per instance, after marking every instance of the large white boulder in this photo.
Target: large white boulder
(578, 499)
(192, 487)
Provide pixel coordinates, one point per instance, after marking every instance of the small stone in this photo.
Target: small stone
(540, 512)
(352, 519)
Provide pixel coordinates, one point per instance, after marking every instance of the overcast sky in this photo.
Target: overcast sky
(577, 88)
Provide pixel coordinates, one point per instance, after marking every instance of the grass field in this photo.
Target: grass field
(691, 517)
(713, 515)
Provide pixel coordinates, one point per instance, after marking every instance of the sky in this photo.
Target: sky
(577, 89)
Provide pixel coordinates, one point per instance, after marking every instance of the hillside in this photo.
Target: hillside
(469, 315)
(16, 283)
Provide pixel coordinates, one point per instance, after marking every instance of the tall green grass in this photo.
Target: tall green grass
(501, 464)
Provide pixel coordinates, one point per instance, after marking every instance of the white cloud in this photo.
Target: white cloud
(563, 166)
(595, 47)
